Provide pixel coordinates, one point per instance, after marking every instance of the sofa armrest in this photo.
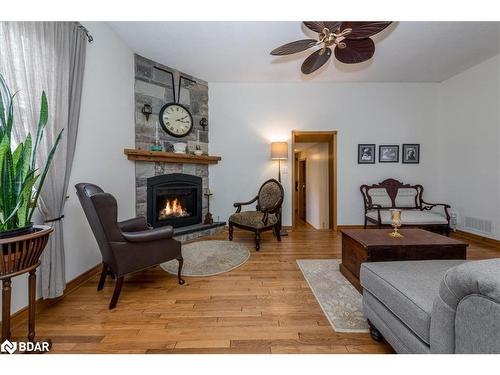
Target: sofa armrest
(429, 206)
(133, 225)
(156, 234)
(466, 314)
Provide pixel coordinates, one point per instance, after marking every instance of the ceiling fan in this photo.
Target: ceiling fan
(350, 40)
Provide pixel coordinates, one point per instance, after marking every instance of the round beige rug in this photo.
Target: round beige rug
(208, 258)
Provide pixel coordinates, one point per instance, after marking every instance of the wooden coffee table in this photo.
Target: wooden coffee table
(375, 245)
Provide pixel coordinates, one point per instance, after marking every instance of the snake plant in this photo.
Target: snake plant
(20, 180)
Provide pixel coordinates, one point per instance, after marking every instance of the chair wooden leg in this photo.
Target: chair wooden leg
(277, 229)
(257, 241)
(116, 293)
(366, 223)
(102, 279)
(179, 271)
(231, 232)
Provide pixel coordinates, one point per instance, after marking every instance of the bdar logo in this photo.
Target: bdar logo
(8, 347)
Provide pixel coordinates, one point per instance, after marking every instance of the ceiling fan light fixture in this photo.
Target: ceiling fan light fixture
(350, 41)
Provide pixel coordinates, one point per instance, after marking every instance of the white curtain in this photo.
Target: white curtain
(50, 57)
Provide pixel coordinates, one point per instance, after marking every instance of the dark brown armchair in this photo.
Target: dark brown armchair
(267, 215)
(127, 246)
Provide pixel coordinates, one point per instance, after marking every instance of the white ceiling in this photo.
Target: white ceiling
(239, 51)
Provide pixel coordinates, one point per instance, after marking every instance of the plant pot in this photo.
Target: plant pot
(17, 231)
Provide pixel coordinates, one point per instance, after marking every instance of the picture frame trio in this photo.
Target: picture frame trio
(389, 153)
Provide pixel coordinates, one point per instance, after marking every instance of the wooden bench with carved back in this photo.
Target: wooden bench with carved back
(388, 194)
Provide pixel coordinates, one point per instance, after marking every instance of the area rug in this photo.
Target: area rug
(339, 300)
(208, 258)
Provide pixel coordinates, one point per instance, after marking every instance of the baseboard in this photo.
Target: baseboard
(476, 237)
(21, 316)
(309, 225)
(350, 226)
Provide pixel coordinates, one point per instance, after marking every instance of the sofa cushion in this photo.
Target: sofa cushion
(253, 219)
(410, 217)
(406, 197)
(407, 289)
(380, 196)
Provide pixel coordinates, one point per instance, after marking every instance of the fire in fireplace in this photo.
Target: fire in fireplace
(172, 208)
(174, 199)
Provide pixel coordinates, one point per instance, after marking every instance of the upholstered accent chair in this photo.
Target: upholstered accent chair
(127, 246)
(415, 212)
(266, 216)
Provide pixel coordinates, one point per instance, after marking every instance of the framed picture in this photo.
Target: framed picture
(366, 154)
(411, 153)
(388, 154)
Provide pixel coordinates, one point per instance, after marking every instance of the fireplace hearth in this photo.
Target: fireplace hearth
(174, 199)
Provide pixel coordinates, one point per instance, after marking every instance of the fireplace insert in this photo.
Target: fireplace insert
(174, 199)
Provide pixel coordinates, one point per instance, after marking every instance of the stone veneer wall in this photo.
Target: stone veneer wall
(154, 87)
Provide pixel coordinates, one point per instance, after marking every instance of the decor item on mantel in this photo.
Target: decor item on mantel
(156, 146)
(176, 120)
(198, 150)
(180, 148)
(351, 42)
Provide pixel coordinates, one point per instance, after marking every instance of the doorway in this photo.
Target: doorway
(314, 177)
(301, 181)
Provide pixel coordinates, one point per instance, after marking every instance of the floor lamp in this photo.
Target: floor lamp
(279, 151)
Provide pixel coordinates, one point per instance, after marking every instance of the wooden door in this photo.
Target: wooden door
(302, 189)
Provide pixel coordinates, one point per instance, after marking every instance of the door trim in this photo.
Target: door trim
(329, 137)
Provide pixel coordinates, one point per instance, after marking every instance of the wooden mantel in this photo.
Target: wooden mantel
(169, 157)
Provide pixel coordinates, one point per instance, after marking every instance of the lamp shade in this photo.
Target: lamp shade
(279, 150)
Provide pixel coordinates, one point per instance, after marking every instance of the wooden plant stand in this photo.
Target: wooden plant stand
(21, 254)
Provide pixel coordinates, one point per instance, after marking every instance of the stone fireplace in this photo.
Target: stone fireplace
(171, 192)
(174, 199)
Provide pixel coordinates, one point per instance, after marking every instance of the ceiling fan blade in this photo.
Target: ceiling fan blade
(361, 30)
(332, 25)
(356, 51)
(315, 61)
(316, 26)
(294, 47)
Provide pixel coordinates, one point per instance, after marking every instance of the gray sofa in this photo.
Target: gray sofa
(437, 306)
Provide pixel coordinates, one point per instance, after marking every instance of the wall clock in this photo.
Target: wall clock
(176, 120)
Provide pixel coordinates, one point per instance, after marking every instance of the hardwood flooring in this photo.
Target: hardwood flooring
(264, 306)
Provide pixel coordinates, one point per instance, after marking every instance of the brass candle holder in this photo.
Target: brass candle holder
(396, 223)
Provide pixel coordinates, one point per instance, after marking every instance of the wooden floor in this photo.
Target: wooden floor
(265, 306)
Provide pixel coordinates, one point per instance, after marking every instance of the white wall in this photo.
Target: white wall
(106, 127)
(246, 118)
(469, 147)
(317, 183)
